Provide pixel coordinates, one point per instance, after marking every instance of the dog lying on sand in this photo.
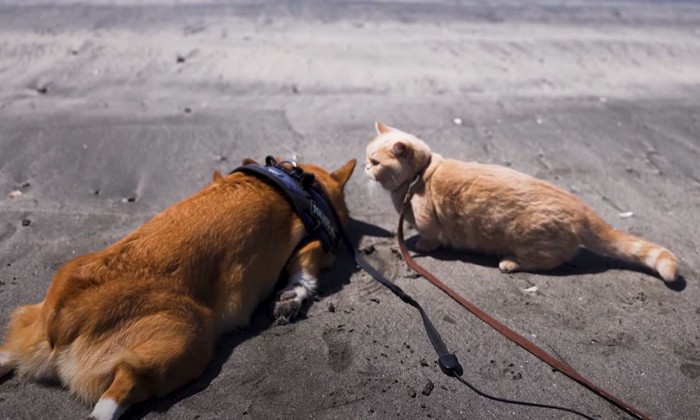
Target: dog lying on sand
(140, 318)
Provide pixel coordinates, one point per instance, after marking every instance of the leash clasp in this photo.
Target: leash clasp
(409, 191)
(450, 365)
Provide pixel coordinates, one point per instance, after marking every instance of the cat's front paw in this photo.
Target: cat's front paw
(286, 307)
(508, 265)
(427, 245)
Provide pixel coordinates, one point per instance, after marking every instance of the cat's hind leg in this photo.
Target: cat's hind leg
(537, 257)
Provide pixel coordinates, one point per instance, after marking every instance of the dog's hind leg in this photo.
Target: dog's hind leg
(171, 354)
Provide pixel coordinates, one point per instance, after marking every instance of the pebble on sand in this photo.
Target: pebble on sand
(15, 194)
(428, 388)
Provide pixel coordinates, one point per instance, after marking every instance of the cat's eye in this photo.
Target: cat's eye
(374, 162)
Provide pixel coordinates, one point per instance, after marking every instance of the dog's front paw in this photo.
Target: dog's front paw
(286, 307)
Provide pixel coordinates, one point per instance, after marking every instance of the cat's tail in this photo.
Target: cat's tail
(604, 239)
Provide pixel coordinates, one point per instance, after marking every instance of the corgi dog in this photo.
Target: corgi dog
(140, 318)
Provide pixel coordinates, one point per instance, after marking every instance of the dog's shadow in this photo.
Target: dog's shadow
(584, 262)
(332, 281)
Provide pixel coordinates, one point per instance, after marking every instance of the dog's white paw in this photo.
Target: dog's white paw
(286, 307)
(106, 409)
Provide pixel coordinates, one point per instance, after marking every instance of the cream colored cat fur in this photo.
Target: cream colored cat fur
(140, 318)
(531, 224)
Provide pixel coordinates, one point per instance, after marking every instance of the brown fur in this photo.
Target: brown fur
(531, 223)
(140, 317)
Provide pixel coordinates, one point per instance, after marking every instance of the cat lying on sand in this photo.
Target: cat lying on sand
(532, 224)
(140, 318)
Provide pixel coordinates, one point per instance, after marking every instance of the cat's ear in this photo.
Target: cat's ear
(382, 128)
(342, 175)
(399, 148)
(249, 161)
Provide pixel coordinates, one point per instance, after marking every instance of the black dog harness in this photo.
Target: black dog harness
(305, 195)
(322, 224)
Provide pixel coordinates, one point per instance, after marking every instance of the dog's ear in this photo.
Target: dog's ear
(343, 174)
(218, 178)
(249, 161)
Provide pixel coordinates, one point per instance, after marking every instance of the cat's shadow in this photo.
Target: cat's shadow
(584, 262)
(332, 281)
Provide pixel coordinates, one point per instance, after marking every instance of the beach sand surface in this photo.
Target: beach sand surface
(110, 111)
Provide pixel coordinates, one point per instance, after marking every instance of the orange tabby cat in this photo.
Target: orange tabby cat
(140, 318)
(532, 224)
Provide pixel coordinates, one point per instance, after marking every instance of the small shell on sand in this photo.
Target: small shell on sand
(15, 194)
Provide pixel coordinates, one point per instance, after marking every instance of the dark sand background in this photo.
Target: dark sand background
(102, 126)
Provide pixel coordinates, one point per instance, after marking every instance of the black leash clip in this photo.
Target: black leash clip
(449, 364)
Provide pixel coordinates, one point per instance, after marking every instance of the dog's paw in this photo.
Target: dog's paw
(286, 307)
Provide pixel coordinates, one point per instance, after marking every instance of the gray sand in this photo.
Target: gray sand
(102, 126)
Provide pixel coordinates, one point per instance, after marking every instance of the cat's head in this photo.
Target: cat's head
(395, 157)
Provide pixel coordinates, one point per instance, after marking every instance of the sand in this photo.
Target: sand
(112, 110)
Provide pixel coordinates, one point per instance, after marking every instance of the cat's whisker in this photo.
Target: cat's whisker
(372, 191)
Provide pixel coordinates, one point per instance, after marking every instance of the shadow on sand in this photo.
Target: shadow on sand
(584, 262)
(333, 281)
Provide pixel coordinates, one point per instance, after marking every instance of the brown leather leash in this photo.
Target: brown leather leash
(509, 333)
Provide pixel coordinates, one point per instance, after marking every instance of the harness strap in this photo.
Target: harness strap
(512, 335)
(300, 189)
(449, 364)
